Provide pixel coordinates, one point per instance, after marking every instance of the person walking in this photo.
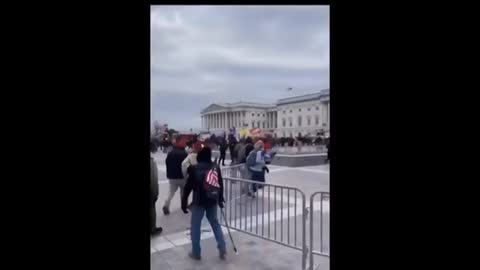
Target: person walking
(328, 153)
(205, 179)
(257, 166)
(174, 173)
(223, 152)
(154, 230)
(191, 160)
(231, 146)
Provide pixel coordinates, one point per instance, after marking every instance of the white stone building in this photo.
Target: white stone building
(289, 117)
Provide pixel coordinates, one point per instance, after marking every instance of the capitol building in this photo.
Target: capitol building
(304, 115)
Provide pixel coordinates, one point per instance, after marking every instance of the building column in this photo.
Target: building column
(225, 120)
(241, 119)
(220, 116)
(234, 119)
(228, 120)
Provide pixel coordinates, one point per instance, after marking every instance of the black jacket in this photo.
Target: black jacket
(153, 179)
(248, 148)
(223, 148)
(196, 176)
(174, 163)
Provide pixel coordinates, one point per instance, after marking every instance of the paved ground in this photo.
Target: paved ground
(263, 215)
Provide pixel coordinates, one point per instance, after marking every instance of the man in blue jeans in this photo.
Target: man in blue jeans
(203, 201)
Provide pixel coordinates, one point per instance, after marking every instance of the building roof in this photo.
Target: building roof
(216, 106)
(322, 94)
(221, 106)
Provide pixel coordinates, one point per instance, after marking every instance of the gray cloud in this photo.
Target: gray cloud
(205, 54)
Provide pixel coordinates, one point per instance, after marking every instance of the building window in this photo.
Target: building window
(253, 114)
(299, 121)
(283, 113)
(258, 124)
(290, 121)
(284, 121)
(299, 134)
(317, 108)
(291, 135)
(290, 111)
(316, 120)
(284, 134)
(263, 115)
(308, 109)
(263, 124)
(258, 114)
(253, 124)
(243, 114)
(308, 121)
(300, 109)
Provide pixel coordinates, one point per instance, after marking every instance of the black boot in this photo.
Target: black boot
(156, 231)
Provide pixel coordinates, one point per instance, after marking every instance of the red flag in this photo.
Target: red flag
(212, 178)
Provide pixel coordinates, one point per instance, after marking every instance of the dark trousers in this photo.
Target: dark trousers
(222, 159)
(153, 215)
(259, 177)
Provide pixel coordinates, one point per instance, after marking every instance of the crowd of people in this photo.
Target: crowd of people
(192, 168)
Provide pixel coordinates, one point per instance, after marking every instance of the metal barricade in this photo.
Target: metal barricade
(260, 217)
(322, 207)
(234, 171)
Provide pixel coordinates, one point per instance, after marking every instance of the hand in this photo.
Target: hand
(184, 209)
(221, 205)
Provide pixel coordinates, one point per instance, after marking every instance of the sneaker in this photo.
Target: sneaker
(198, 258)
(222, 255)
(166, 211)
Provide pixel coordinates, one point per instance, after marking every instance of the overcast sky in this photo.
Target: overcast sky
(206, 54)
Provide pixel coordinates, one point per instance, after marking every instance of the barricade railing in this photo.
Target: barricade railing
(261, 217)
(323, 206)
(235, 171)
(282, 220)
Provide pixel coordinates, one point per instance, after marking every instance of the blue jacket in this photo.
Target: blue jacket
(259, 162)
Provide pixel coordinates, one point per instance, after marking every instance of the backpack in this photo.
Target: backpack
(251, 159)
(211, 184)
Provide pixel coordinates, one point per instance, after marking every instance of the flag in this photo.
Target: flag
(212, 178)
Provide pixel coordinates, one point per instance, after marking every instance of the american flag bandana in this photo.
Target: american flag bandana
(212, 178)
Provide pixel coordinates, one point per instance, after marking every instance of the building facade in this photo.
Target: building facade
(289, 117)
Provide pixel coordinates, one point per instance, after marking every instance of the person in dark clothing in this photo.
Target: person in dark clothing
(328, 153)
(231, 145)
(202, 204)
(223, 152)
(154, 230)
(174, 174)
(248, 148)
